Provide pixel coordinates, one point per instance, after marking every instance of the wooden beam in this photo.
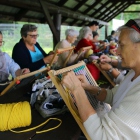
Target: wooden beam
(114, 8)
(99, 9)
(49, 20)
(76, 8)
(107, 9)
(106, 31)
(20, 4)
(63, 19)
(91, 7)
(57, 23)
(61, 2)
(73, 22)
(80, 4)
(121, 9)
(21, 14)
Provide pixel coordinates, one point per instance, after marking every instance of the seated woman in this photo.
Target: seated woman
(28, 53)
(85, 40)
(71, 36)
(122, 121)
(8, 66)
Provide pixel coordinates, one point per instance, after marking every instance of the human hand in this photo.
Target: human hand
(105, 58)
(25, 70)
(113, 51)
(71, 81)
(83, 80)
(105, 66)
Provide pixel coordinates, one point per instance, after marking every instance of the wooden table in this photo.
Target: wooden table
(69, 130)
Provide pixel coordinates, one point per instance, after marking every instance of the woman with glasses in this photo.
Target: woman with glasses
(8, 66)
(27, 52)
(122, 121)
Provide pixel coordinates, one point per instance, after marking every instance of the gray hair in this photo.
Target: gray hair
(84, 32)
(133, 34)
(71, 32)
(27, 28)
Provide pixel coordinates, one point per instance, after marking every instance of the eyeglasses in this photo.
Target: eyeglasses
(2, 42)
(33, 36)
(132, 24)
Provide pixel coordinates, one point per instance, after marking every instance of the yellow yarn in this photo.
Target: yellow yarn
(15, 115)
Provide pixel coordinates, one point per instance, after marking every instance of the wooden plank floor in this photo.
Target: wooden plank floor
(69, 130)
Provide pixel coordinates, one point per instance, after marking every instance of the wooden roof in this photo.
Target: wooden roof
(73, 12)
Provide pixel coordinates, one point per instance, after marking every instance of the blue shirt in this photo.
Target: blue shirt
(37, 55)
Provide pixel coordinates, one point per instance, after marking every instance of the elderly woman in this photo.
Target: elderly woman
(122, 121)
(86, 39)
(71, 36)
(28, 53)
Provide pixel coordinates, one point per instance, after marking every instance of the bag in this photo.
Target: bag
(46, 99)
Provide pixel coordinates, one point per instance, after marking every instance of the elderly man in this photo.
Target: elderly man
(27, 52)
(122, 121)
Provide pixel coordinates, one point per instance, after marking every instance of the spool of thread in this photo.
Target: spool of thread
(14, 115)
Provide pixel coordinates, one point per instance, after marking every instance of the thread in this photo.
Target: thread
(16, 115)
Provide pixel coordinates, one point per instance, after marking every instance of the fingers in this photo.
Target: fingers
(25, 70)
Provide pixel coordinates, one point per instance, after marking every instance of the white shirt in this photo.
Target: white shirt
(7, 64)
(122, 122)
(62, 57)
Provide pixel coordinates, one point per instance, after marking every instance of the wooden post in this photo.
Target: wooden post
(57, 24)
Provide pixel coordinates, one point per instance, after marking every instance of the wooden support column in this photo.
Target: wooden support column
(49, 20)
(106, 31)
(57, 24)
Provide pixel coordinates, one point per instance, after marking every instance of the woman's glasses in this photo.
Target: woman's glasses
(132, 24)
(2, 42)
(33, 36)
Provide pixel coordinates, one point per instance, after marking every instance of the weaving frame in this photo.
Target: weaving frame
(81, 50)
(67, 100)
(59, 51)
(104, 73)
(18, 78)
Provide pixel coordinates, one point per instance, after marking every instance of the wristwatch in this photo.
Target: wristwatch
(110, 70)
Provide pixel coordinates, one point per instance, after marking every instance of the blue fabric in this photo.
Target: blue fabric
(37, 55)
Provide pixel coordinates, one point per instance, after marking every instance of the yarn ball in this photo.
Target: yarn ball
(94, 71)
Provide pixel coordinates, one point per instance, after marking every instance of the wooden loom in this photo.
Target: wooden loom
(104, 73)
(79, 68)
(59, 51)
(19, 78)
(81, 51)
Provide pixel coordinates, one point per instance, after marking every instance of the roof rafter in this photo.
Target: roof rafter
(120, 10)
(104, 5)
(107, 9)
(61, 2)
(20, 14)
